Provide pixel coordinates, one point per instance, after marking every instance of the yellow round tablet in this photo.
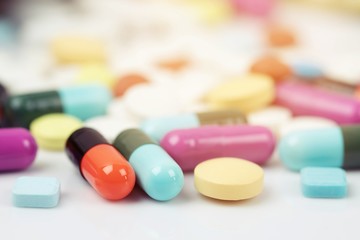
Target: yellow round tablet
(52, 130)
(229, 179)
(248, 93)
(96, 73)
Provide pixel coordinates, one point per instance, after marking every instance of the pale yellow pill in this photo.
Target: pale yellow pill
(96, 73)
(77, 49)
(52, 130)
(229, 179)
(248, 93)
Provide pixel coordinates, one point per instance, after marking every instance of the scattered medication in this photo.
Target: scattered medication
(18, 149)
(157, 128)
(157, 173)
(229, 179)
(83, 102)
(189, 147)
(36, 192)
(273, 67)
(248, 93)
(106, 170)
(126, 82)
(322, 182)
(327, 147)
(306, 100)
(52, 130)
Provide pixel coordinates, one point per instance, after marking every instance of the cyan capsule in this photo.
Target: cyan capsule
(157, 173)
(327, 147)
(83, 101)
(157, 128)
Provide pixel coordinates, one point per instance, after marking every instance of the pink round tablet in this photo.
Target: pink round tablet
(256, 7)
(189, 147)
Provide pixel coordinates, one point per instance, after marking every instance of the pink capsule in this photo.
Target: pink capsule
(306, 100)
(189, 147)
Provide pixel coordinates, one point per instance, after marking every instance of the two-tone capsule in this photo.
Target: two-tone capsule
(100, 164)
(157, 173)
(326, 147)
(17, 149)
(189, 147)
(83, 101)
(157, 128)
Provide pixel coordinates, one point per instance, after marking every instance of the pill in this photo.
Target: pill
(306, 100)
(36, 192)
(306, 70)
(304, 123)
(52, 130)
(157, 173)
(18, 149)
(254, 7)
(326, 147)
(273, 67)
(272, 117)
(211, 12)
(323, 182)
(104, 168)
(156, 128)
(229, 179)
(95, 73)
(280, 36)
(3, 97)
(248, 93)
(126, 82)
(77, 50)
(83, 102)
(190, 147)
(175, 64)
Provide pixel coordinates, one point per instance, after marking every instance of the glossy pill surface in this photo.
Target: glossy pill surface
(190, 147)
(18, 149)
(229, 179)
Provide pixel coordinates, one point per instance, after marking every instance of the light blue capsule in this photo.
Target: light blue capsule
(307, 70)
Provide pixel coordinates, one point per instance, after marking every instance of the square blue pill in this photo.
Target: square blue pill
(36, 192)
(323, 182)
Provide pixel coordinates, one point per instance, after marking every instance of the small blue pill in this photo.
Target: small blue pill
(36, 192)
(323, 182)
(307, 70)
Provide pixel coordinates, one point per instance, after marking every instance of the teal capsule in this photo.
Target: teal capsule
(157, 173)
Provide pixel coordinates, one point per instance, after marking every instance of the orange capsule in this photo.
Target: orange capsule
(126, 82)
(273, 67)
(106, 170)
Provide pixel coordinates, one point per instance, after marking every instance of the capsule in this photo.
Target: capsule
(83, 101)
(189, 147)
(157, 128)
(326, 147)
(3, 98)
(306, 100)
(18, 149)
(100, 164)
(157, 173)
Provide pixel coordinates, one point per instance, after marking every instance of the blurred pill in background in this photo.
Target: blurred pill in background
(157, 173)
(190, 147)
(326, 147)
(280, 36)
(18, 149)
(248, 93)
(95, 73)
(52, 130)
(83, 101)
(105, 169)
(306, 100)
(3, 98)
(157, 128)
(229, 179)
(126, 82)
(307, 70)
(261, 8)
(273, 67)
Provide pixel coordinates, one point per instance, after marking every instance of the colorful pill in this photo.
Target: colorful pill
(3, 98)
(306, 100)
(17, 149)
(157, 128)
(189, 147)
(126, 82)
(326, 147)
(280, 36)
(273, 67)
(80, 101)
(157, 173)
(229, 179)
(100, 164)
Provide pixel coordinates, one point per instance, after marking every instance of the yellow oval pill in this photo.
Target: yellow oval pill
(229, 179)
(52, 130)
(248, 93)
(96, 73)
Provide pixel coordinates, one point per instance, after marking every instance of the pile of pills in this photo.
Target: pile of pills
(155, 119)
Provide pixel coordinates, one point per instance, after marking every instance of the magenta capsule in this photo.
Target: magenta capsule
(189, 147)
(306, 100)
(17, 149)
